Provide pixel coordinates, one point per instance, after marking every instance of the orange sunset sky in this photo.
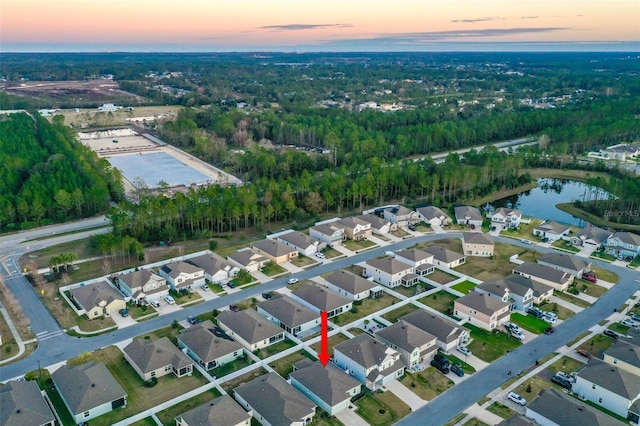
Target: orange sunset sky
(328, 25)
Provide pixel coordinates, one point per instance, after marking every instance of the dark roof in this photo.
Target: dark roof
(249, 325)
(23, 405)
(276, 400)
(150, 355)
(625, 352)
(399, 210)
(87, 386)
(288, 311)
(537, 287)
(619, 381)
(330, 383)
(375, 221)
(246, 257)
(349, 282)
(222, 411)
(389, 265)
(566, 261)
(498, 286)
(503, 211)
(536, 270)
(432, 212)
(92, 295)
(406, 336)
(477, 238)
(352, 222)
(174, 269)
(328, 228)
(274, 248)
(482, 303)
(365, 350)
(414, 255)
(445, 330)
(467, 212)
(208, 341)
(320, 297)
(565, 410)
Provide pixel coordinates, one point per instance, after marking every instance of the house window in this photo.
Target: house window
(615, 361)
(87, 413)
(153, 374)
(167, 368)
(235, 353)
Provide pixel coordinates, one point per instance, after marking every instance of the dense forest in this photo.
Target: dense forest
(48, 176)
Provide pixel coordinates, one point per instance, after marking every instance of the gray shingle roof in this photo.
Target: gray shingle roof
(375, 221)
(482, 303)
(330, 383)
(565, 410)
(399, 210)
(414, 255)
(298, 239)
(566, 261)
(443, 254)
(625, 352)
(276, 400)
(349, 282)
(90, 296)
(174, 269)
(505, 212)
(445, 330)
(497, 286)
(545, 272)
(22, 404)
(249, 325)
(627, 238)
(537, 287)
(352, 222)
(288, 311)
(137, 279)
(87, 386)
(208, 341)
(614, 379)
(406, 336)
(389, 265)
(467, 213)
(365, 350)
(274, 248)
(328, 228)
(552, 226)
(477, 238)
(222, 411)
(432, 212)
(246, 257)
(210, 263)
(517, 420)
(594, 233)
(320, 297)
(149, 355)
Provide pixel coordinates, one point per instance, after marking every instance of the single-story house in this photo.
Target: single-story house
(250, 329)
(332, 234)
(23, 405)
(551, 230)
(565, 262)
(352, 286)
(215, 268)
(482, 310)
(379, 225)
(222, 411)
(468, 215)
(387, 271)
(610, 387)
(273, 401)
(248, 259)
(447, 332)
(141, 285)
(415, 345)
(182, 275)
(401, 215)
(328, 387)
(592, 236)
(625, 355)
(157, 358)
(275, 250)
(518, 296)
(355, 229)
(373, 363)
(623, 244)
(541, 292)
(209, 345)
(445, 257)
(301, 242)
(477, 244)
(98, 299)
(622, 151)
(289, 315)
(319, 299)
(503, 218)
(555, 278)
(88, 390)
(433, 216)
(553, 408)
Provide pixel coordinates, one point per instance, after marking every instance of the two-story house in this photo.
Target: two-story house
(477, 244)
(415, 345)
(301, 242)
(355, 229)
(518, 296)
(379, 225)
(215, 268)
(482, 310)
(504, 218)
(420, 260)
(388, 271)
(331, 234)
(182, 275)
(444, 257)
(141, 286)
(447, 332)
(401, 215)
(623, 245)
(625, 355)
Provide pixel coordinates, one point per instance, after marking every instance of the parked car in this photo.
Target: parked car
(611, 333)
(566, 376)
(320, 255)
(155, 303)
(457, 369)
(234, 308)
(591, 278)
(634, 316)
(465, 350)
(517, 398)
(193, 320)
(413, 227)
(527, 242)
(561, 381)
(517, 334)
(536, 312)
(205, 287)
(584, 353)
(549, 330)
(441, 358)
(512, 327)
(550, 318)
(292, 280)
(629, 323)
(231, 284)
(441, 366)
(267, 296)
(124, 312)
(169, 299)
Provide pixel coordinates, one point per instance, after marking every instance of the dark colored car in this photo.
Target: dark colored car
(441, 359)
(234, 308)
(193, 320)
(231, 284)
(457, 369)
(124, 312)
(562, 382)
(611, 333)
(441, 366)
(584, 353)
(549, 330)
(267, 296)
(536, 312)
(591, 278)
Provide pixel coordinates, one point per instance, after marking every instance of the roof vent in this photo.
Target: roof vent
(580, 408)
(93, 385)
(18, 411)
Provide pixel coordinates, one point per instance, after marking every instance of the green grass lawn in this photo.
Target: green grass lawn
(284, 366)
(566, 365)
(635, 262)
(468, 369)
(401, 311)
(619, 328)
(455, 420)
(357, 246)
(499, 265)
(381, 409)
(605, 274)
(367, 307)
(571, 299)
(323, 419)
(587, 287)
(413, 290)
(147, 421)
(301, 261)
(597, 344)
(603, 256)
(231, 367)
(333, 340)
(229, 385)
(441, 277)
(464, 287)
(217, 289)
(490, 346)
(330, 253)
(277, 348)
(564, 246)
(441, 301)
(271, 269)
(501, 410)
(167, 416)
(427, 384)
(475, 422)
(525, 231)
(562, 312)
(529, 323)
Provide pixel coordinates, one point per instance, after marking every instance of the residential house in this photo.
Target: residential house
(415, 345)
(291, 316)
(565, 262)
(433, 216)
(332, 234)
(555, 278)
(551, 230)
(182, 275)
(482, 310)
(504, 218)
(379, 225)
(388, 271)
(250, 329)
(355, 229)
(592, 237)
(541, 292)
(23, 405)
(518, 296)
(444, 257)
(624, 355)
(447, 332)
(610, 387)
(373, 363)
(222, 411)
(274, 402)
(623, 244)
(301, 242)
(421, 261)
(157, 358)
(97, 300)
(468, 215)
(88, 390)
(622, 152)
(328, 387)
(275, 250)
(352, 286)
(248, 259)
(553, 408)
(141, 286)
(215, 268)
(517, 420)
(209, 345)
(477, 244)
(401, 215)
(320, 299)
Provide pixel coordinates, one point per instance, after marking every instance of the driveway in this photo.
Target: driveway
(405, 394)
(350, 418)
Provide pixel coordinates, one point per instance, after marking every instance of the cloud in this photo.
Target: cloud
(473, 21)
(529, 17)
(299, 27)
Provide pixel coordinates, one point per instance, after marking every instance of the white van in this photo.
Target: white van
(390, 254)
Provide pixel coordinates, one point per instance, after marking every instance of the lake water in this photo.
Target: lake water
(540, 202)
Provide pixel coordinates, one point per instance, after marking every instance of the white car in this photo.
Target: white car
(154, 303)
(515, 328)
(465, 350)
(204, 287)
(170, 300)
(320, 255)
(551, 319)
(629, 323)
(517, 334)
(292, 280)
(517, 398)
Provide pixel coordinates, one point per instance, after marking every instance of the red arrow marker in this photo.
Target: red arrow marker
(324, 346)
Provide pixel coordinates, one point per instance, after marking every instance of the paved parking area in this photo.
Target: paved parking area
(405, 394)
